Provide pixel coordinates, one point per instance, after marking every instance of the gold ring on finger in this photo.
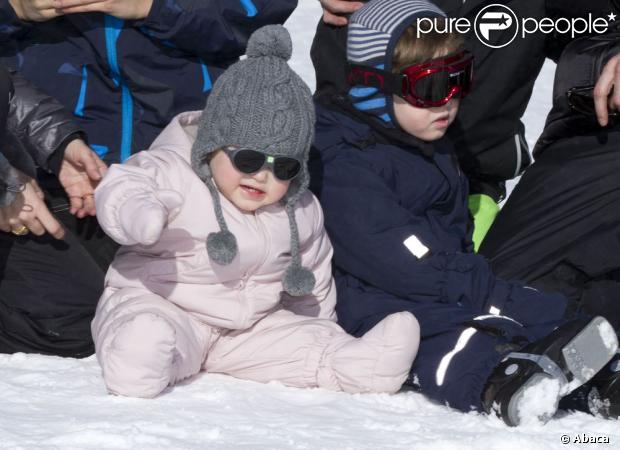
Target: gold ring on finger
(20, 231)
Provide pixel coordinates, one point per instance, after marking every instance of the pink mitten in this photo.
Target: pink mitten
(144, 216)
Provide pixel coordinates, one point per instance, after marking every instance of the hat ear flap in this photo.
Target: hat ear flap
(221, 245)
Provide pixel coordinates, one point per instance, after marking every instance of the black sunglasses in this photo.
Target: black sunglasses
(581, 100)
(251, 161)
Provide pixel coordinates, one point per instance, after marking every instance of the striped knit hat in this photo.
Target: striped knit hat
(374, 31)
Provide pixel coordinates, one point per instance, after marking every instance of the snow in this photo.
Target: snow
(61, 403)
(538, 401)
(608, 335)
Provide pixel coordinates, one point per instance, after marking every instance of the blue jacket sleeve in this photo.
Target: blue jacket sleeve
(368, 227)
(11, 26)
(212, 29)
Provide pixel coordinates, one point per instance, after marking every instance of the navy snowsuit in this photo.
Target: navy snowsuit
(125, 80)
(387, 197)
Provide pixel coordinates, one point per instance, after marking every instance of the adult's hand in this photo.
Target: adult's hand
(35, 10)
(609, 79)
(334, 10)
(80, 172)
(123, 9)
(28, 212)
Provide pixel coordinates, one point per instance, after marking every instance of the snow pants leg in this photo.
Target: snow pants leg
(306, 352)
(455, 362)
(460, 346)
(145, 343)
(560, 228)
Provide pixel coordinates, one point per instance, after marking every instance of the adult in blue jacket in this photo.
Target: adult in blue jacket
(123, 69)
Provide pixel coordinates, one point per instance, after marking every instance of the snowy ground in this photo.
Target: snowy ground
(56, 403)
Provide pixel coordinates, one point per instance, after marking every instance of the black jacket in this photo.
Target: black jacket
(488, 134)
(580, 65)
(8, 176)
(37, 130)
(559, 228)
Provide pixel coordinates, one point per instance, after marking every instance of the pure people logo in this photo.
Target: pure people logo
(496, 18)
(496, 25)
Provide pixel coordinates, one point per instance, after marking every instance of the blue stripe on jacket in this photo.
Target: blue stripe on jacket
(249, 7)
(113, 28)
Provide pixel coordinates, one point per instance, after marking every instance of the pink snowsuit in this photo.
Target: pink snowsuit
(168, 312)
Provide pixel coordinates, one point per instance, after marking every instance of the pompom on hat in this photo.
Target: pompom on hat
(262, 104)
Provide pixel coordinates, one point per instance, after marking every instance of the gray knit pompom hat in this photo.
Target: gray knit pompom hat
(261, 104)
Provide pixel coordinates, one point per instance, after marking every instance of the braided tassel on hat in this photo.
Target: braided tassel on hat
(222, 245)
(297, 279)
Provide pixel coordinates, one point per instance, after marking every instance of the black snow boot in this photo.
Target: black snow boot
(600, 396)
(606, 383)
(529, 384)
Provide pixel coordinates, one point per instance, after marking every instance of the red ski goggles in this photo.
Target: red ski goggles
(425, 85)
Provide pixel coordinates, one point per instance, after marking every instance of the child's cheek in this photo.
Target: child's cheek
(280, 188)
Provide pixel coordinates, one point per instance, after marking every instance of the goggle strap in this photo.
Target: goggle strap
(385, 81)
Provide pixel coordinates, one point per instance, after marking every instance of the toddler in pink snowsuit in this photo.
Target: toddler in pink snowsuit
(225, 265)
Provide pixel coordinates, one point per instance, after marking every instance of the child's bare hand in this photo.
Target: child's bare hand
(35, 10)
(80, 172)
(123, 9)
(334, 11)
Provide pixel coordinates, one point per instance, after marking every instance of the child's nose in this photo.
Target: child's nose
(261, 175)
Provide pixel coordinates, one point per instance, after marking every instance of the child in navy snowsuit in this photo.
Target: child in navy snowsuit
(395, 204)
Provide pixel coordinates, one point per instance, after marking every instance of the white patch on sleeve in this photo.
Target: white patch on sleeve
(415, 246)
(495, 311)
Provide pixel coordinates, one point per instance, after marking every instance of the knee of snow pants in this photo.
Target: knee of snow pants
(145, 343)
(137, 358)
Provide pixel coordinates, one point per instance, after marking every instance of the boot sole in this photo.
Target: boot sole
(584, 355)
(589, 351)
